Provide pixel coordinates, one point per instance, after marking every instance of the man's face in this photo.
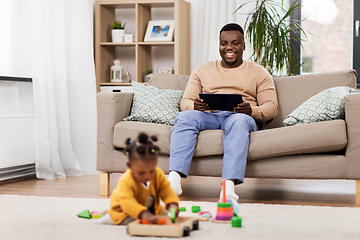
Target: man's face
(231, 48)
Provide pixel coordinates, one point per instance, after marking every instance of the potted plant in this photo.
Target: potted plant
(148, 71)
(117, 31)
(268, 30)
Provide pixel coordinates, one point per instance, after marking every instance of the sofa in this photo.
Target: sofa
(320, 150)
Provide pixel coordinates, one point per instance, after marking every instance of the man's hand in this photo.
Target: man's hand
(243, 108)
(200, 105)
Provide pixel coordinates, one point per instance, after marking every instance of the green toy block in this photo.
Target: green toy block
(195, 209)
(236, 222)
(85, 214)
(182, 209)
(173, 215)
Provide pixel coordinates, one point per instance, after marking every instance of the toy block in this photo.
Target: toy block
(173, 215)
(206, 215)
(195, 209)
(236, 222)
(160, 221)
(96, 214)
(182, 209)
(85, 214)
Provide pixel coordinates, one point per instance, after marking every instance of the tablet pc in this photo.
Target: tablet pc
(221, 101)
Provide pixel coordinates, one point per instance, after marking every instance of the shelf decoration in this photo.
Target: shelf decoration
(160, 31)
(117, 31)
(116, 72)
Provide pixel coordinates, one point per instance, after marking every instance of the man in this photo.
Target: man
(230, 75)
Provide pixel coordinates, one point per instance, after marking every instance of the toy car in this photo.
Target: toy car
(181, 228)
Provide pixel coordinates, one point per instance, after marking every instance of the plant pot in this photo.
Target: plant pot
(117, 35)
(146, 78)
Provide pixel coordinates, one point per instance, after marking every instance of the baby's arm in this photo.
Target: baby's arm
(147, 215)
(175, 206)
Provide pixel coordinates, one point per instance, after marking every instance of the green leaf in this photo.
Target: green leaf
(268, 30)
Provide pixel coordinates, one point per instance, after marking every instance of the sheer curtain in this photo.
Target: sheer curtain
(52, 42)
(208, 17)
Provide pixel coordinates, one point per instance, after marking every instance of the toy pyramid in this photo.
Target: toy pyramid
(224, 208)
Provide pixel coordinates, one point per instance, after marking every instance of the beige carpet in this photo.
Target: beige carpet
(28, 217)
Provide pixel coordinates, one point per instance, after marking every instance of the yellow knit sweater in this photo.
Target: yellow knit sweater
(249, 79)
(129, 197)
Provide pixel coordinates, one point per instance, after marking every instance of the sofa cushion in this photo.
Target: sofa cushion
(204, 147)
(319, 137)
(324, 106)
(153, 105)
(294, 90)
(124, 130)
(300, 139)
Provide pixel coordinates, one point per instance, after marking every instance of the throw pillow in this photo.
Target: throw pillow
(153, 105)
(326, 105)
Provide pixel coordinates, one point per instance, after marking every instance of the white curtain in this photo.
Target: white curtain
(52, 42)
(208, 17)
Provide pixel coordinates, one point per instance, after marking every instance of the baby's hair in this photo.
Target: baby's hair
(143, 146)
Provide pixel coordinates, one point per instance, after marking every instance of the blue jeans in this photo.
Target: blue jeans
(236, 127)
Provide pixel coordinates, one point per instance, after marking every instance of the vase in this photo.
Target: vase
(117, 35)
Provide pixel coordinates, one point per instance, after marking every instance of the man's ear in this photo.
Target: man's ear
(244, 45)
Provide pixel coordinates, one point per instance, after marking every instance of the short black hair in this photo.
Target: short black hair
(232, 26)
(142, 146)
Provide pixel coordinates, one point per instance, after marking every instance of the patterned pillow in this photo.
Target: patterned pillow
(153, 105)
(326, 105)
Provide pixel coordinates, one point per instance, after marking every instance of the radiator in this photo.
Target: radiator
(17, 147)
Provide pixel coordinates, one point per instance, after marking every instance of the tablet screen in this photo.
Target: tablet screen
(221, 101)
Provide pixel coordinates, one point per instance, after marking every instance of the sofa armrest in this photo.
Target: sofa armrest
(352, 118)
(111, 109)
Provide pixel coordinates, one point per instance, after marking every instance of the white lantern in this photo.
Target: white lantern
(116, 72)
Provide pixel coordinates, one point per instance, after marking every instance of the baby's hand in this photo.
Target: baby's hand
(151, 218)
(173, 205)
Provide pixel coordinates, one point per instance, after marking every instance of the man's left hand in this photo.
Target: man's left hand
(243, 108)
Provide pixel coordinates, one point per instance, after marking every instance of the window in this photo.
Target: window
(329, 46)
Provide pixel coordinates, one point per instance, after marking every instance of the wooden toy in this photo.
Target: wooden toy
(160, 221)
(85, 214)
(224, 211)
(182, 227)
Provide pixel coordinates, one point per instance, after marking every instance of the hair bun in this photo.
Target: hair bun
(154, 138)
(128, 141)
(143, 137)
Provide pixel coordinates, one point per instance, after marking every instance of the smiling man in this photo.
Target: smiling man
(230, 75)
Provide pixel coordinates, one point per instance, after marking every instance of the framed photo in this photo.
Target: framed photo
(160, 31)
(165, 70)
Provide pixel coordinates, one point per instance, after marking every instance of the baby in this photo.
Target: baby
(140, 188)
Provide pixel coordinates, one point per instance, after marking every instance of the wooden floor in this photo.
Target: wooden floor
(270, 191)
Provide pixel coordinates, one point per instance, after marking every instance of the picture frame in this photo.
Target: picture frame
(161, 30)
(166, 70)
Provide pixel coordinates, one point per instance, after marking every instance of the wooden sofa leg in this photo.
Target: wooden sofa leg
(357, 192)
(104, 184)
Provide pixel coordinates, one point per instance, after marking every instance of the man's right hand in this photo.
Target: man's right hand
(200, 105)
